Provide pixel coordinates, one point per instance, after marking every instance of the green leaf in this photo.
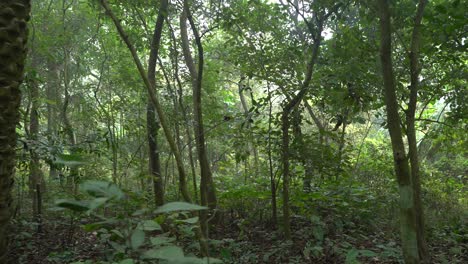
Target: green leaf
(367, 253)
(351, 256)
(137, 238)
(179, 206)
(78, 206)
(97, 225)
(101, 189)
(118, 233)
(127, 261)
(167, 253)
(149, 225)
(192, 220)
(161, 240)
(98, 202)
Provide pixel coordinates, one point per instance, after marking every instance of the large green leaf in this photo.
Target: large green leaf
(167, 253)
(138, 238)
(192, 220)
(149, 225)
(101, 189)
(179, 206)
(78, 206)
(161, 240)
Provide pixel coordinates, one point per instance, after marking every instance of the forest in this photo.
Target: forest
(233, 131)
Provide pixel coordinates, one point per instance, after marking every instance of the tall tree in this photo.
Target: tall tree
(14, 15)
(408, 227)
(207, 190)
(151, 121)
(35, 172)
(411, 129)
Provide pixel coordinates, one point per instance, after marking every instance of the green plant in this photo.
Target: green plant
(133, 237)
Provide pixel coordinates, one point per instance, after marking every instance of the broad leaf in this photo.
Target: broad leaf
(149, 225)
(137, 239)
(167, 253)
(78, 206)
(161, 240)
(101, 189)
(179, 206)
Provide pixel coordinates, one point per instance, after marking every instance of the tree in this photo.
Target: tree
(14, 15)
(152, 123)
(207, 190)
(409, 201)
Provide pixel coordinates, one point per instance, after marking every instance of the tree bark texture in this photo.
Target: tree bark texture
(152, 122)
(402, 169)
(14, 15)
(411, 130)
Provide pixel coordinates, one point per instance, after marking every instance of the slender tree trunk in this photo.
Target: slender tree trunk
(51, 94)
(154, 160)
(150, 88)
(407, 210)
(207, 190)
(175, 62)
(152, 123)
(342, 142)
(274, 208)
(35, 172)
(68, 128)
(248, 122)
(14, 15)
(411, 131)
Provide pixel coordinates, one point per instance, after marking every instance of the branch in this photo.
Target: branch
(433, 121)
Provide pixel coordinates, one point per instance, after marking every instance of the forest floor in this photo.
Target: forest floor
(236, 241)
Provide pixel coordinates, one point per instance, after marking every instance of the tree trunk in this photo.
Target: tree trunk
(154, 161)
(68, 128)
(274, 208)
(411, 131)
(207, 190)
(152, 122)
(35, 173)
(51, 94)
(14, 15)
(175, 62)
(407, 210)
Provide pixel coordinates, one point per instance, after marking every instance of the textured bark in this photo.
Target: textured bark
(51, 94)
(14, 15)
(407, 210)
(411, 130)
(207, 189)
(152, 123)
(154, 160)
(151, 91)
